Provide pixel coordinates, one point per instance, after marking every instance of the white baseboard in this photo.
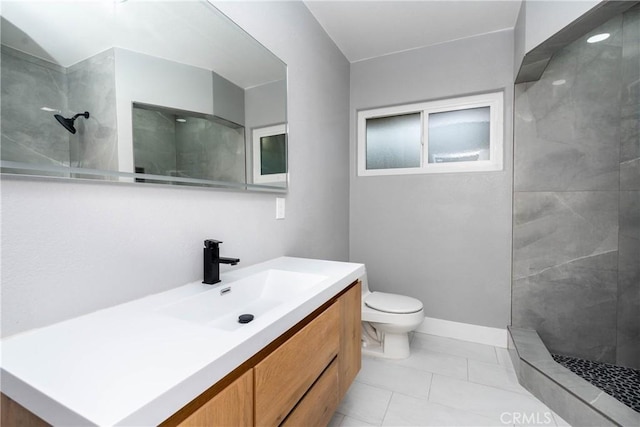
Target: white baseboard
(464, 331)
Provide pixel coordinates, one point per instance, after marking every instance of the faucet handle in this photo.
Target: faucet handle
(211, 243)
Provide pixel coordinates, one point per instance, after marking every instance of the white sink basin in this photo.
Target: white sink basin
(257, 295)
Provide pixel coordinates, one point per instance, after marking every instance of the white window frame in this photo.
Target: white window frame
(493, 100)
(258, 133)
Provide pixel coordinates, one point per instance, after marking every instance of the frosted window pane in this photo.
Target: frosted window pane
(394, 142)
(459, 136)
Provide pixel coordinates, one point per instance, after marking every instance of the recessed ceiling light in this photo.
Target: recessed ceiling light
(558, 82)
(598, 38)
(181, 120)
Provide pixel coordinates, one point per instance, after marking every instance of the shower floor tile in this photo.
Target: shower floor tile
(617, 381)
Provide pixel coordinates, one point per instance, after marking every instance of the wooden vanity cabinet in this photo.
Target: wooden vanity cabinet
(14, 414)
(285, 375)
(233, 406)
(297, 380)
(350, 355)
(316, 408)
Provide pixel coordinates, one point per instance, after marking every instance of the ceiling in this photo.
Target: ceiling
(365, 29)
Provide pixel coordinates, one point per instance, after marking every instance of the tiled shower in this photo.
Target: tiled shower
(30, 133)
(576, 243)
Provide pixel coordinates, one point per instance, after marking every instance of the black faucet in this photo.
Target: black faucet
(212, 261)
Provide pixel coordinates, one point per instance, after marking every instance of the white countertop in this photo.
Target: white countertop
(133, 365)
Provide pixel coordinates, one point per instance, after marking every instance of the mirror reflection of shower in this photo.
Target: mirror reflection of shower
(68, 123)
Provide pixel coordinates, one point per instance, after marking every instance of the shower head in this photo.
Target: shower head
(68, 123)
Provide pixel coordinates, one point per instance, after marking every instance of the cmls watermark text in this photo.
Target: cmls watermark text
(526, 418)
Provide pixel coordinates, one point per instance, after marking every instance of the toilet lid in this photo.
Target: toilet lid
(392, 303)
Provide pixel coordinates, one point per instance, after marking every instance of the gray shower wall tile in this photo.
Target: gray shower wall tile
(576, 244)
(92, 88)
(630, 168)
(596, 98)
(28, 133)
(586, 159)
(630, 132)
(630, 124)
(572, 306)
(552, 229)
(630, 175)
(154, 141)
(565, 270)
(628, 307)
(209, 150)
(630, 215)
(631, 57)
(628, 311)
(567, 124)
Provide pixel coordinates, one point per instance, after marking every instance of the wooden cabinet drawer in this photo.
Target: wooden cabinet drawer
(233, 406)
(284, 376)
(317, 407)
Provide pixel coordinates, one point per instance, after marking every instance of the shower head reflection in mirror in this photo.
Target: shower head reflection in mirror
(68, 123)
(225, 74)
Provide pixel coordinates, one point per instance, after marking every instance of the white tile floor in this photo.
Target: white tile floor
(445, 382)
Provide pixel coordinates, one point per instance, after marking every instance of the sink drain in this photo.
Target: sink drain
(245, 318)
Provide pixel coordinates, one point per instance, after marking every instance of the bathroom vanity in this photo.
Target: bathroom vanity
(181, 358)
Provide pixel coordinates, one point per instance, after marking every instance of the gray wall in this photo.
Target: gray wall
(544, 18)
(69, 248)
(28, 133)
(145, 79)
(228, 100)
(576, 242)
(91, 87)
(209, 150)
(540, 19)
(265, 106)
(154, 141)
(442, 238)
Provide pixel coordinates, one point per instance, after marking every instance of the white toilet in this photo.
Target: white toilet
(387, 320)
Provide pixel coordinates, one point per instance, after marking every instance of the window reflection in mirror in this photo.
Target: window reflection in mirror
(270, 155)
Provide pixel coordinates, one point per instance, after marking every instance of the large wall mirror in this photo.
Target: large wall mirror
(169, 92)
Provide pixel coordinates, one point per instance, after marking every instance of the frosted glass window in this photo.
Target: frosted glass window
(394, 142)
(459, 136)
(462, 134)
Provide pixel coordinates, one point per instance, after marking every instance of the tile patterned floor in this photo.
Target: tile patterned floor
(445, 382)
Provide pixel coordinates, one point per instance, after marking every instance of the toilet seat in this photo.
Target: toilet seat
(392, 303)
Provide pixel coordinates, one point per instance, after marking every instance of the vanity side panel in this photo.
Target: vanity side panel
(284, 376)
(350, 356)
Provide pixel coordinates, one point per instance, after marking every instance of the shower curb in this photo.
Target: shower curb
(576, 400)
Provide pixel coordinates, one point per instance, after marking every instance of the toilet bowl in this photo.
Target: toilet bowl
(387, 320)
